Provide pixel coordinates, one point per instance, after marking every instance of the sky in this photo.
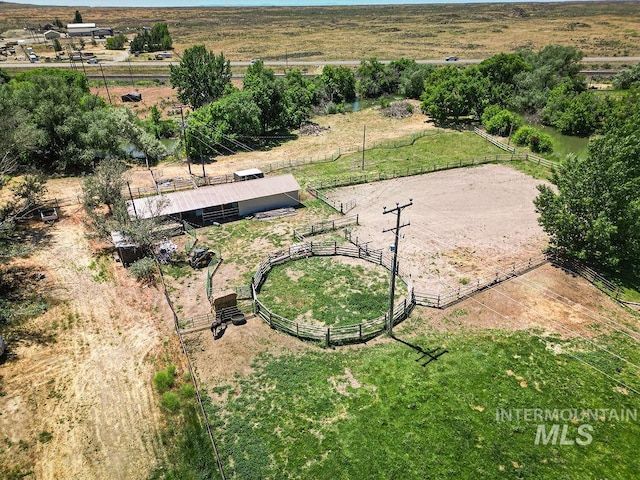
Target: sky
(241, 3)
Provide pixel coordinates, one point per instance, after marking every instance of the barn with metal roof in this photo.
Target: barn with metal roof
(215, 203)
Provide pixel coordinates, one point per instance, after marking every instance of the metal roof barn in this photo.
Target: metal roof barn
(206, 205)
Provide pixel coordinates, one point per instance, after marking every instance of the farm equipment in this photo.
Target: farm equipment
(201, 257)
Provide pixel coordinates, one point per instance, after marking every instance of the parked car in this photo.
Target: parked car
(93, 61)
(451, 58)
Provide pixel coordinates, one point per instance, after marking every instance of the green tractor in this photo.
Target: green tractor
(201, 257)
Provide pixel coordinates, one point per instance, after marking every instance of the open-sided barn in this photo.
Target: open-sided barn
(206, 205)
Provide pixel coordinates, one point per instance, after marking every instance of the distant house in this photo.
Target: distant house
(88, 30)
(132, 97)
(51, 35)
(206, 205)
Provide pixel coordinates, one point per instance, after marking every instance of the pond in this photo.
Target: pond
(563, 145)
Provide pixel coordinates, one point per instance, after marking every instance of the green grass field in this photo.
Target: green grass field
(329, 292)
(437, 149)
(377, 412)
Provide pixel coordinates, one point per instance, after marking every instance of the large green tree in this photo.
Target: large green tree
(336, 84)
(451, 93)
(593, 213)
(267, 93)
(201, 77)
(153, 40)
(220, 127)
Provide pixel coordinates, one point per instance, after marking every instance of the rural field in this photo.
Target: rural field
(534, 377)
(353, 33)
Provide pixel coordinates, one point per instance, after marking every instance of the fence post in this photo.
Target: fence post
(328, 339)
(438, 301)
(360, 330)
(297, 330)
(357, 219)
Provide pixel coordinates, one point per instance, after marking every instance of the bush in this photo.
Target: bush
(333, 108)
(523, 135)
(170, 401)
(537, 141)
(187, 391)
(164, 380)
(143, 269)
(490, 112)
(541, 143)
(503, 123)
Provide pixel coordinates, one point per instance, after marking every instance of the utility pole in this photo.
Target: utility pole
(105, 83)
(133, 85)
(394, 266)
(364, 137)
(183, 134)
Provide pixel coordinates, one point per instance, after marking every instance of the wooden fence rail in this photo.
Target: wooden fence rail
(324, 226)
(360, 332)
(444, 300)
(527, 157)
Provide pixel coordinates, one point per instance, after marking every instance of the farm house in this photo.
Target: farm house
(206, 205)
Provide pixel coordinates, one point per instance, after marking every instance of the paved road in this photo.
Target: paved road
(279, 63)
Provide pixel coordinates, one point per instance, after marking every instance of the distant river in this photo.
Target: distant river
(248, 3)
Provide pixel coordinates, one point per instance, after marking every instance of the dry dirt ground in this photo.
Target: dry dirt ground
(464, 224)
(88, 385)
(78, 401)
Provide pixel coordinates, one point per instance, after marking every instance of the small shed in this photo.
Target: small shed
(249, 174)
(51, 35)
(132, 97)
(128, 252)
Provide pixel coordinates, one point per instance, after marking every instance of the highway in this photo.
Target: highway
(93, 71)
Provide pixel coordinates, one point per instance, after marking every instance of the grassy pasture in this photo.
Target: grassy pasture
(444, 147)
(385, 32)
(327, 291)
(376, 412)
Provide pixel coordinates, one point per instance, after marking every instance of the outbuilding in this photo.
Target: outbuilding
(132, 97)
(216, 203)
(249, 174)
(51, 35)
(128, 252)
(88, 30)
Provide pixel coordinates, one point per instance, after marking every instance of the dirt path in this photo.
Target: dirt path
(90, 390)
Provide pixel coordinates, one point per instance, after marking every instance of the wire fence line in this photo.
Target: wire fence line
(356, 148)
(444, 300)
(339, 335)
(528, 157)
(325, 226)
(192, 373)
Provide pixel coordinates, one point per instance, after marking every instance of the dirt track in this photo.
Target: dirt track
(90, 388)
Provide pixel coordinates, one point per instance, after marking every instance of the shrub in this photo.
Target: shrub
(490, 112)
(164, 380)
(187, 391)
(541, 143)
(523, 135)
(503, 123)
(143, 269)
(170, 401)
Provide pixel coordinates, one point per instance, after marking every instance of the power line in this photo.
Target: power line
(394, 267)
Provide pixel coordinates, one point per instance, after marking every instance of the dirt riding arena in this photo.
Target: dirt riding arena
(464, 223)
